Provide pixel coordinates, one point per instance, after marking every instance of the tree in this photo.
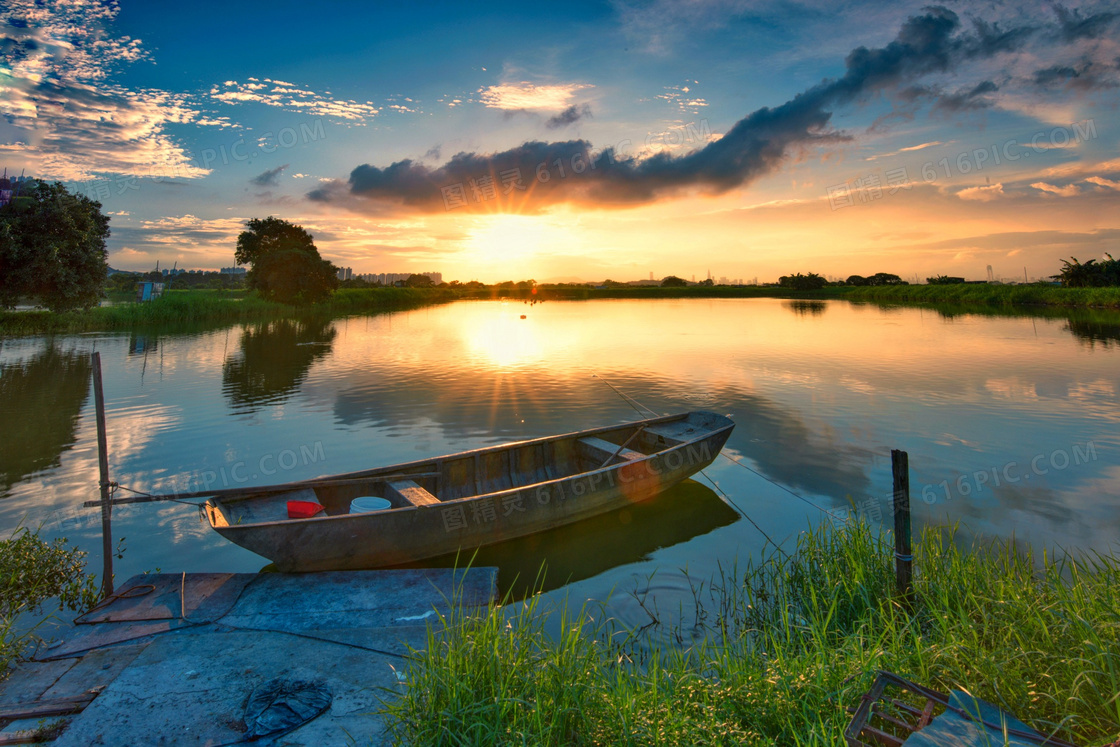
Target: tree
(856, 280)
(944, 280)
(285, 264)
(418, 281)
(672, 281)
(52, 250)
(885, 278)
(1090, 274)
(812, 281)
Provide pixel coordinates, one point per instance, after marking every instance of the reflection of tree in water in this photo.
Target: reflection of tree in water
(1090, 326)
(807, 308)
(40, 403)
(274, 360)
(1091, 330)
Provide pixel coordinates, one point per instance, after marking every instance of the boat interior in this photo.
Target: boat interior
(467, 474)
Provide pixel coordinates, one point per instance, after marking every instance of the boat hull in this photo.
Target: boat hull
(413, 533)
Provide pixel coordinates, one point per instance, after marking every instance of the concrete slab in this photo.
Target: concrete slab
(169, 681)
(191, 689)
(341, 599)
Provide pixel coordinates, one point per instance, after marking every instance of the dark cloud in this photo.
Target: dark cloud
(993, 40)
(1082, 77)
(1074, 27)
(571, 115)
(572, 172)
(966, 100)
(269, 178)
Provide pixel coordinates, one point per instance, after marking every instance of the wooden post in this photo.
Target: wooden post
(903, 559)
(103, 466)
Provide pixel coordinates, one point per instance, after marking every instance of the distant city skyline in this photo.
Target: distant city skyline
(582, 140)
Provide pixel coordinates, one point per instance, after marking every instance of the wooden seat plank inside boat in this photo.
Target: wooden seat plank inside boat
(409, 491)
(664, 435)
(599, 450)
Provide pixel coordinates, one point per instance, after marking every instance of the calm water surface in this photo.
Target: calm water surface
(1011, 423)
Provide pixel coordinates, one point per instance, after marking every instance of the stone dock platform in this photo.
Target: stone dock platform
(172, 659)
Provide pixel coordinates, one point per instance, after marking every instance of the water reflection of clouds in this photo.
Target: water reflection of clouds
(819, 401)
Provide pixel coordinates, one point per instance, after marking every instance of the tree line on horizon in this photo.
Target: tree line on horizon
(53, 253)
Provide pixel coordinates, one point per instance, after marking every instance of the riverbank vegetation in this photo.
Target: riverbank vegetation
(232, 306)
(200, 306)
(34, 572)
(776, 652)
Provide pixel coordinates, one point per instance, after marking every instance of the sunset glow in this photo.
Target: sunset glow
(676, 139)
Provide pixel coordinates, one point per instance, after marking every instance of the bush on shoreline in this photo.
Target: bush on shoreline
(780, 649)
(33, 572)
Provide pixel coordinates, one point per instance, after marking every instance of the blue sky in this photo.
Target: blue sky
(744, 137)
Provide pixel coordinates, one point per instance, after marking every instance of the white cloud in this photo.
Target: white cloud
(65, 118)
(982, 194)
(684, 97)
(1067, 191)
(289, 97)
(922, 146)
(1100, 181)
(525, 95)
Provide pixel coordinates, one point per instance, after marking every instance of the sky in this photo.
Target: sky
(582, 140)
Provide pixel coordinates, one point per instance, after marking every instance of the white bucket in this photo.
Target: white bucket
(367, 504)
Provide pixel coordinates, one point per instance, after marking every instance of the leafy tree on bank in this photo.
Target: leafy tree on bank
(1092, 274)
(284, 263)
(419, 281)
(879, 278)
(672, 281)
(945, 280)
(800, 282)
(52, 249)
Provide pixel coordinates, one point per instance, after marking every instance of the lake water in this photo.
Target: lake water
(1011, 423)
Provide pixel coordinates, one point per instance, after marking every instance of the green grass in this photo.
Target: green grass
(193, 307)
(778, 650)
(980, 294)
(1002, 295)
(218, 307)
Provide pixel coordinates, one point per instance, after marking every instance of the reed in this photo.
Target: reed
(777, 651)
(998, 295)
(218, 307)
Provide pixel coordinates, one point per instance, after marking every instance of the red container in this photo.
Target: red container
(303, 509)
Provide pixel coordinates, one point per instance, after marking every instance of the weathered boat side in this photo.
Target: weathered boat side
(480, 497)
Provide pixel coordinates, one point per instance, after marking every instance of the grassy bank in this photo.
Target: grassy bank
(225, 307)
(783, 648)
(998, 295)
(188, 307)
(977, 294)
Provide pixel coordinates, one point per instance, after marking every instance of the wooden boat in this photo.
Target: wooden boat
(471, 499)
